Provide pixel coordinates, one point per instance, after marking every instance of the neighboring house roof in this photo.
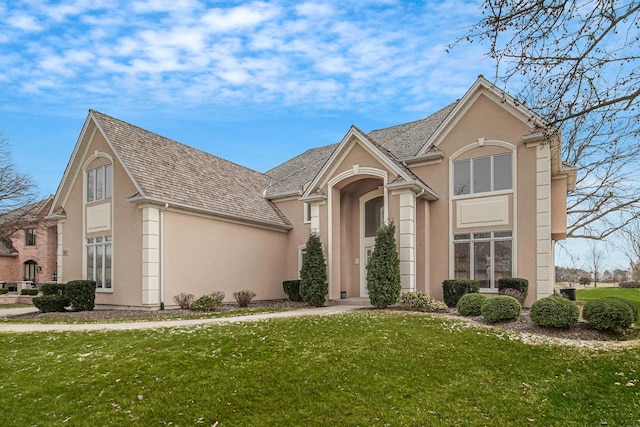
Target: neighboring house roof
(167, 171)
(6, 248)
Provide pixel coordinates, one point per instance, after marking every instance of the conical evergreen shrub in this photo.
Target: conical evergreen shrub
(313, 276)
(383, 270)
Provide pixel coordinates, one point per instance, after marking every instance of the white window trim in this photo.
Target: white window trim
(86, 275)
(491, 177)
(306, 213)
(493, 285)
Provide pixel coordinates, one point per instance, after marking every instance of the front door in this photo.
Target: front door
(371, 218)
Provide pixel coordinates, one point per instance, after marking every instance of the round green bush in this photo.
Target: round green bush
(51, 303)
(631, 305)
(471, 304)
(205, 303)
(554, 312)
(608, 314)
(500, 308)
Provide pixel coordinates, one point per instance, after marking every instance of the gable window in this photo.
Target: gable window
(99, 183)
(30, 236)
(485, 256)
(98, 252)
(373, 216)
(482, 174)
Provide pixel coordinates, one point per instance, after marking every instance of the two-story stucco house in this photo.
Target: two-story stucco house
(476, 190)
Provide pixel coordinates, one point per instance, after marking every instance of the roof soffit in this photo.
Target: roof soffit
(481, 87)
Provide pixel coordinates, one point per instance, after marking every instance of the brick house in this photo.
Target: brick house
(30, 253)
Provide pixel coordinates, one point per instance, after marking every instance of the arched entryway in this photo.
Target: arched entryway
(30, 271)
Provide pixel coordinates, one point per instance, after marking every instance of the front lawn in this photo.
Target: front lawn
(360, 368)
(631, 294)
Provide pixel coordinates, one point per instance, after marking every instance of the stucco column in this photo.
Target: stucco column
(150, 255)
(407, 229)
(544, 253)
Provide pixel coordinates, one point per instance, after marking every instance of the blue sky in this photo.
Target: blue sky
(250, 81)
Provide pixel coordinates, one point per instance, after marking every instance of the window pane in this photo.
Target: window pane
(107, 266)
(502, 262)
(90, 262)
(100, 183)
(461, 177)
(481, 174)
(462, 265)
(502, 233)
(482, 235)
(108, 182)
(502, 172)
(91, 182)
(482, 263)
(462, 236)
(99, 259)
(373, 213)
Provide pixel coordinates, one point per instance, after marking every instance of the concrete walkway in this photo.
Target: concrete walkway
(124, 326)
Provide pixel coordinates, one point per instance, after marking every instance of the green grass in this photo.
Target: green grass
(15, 305)
(631, 294)
(371, 368)
(195, 315)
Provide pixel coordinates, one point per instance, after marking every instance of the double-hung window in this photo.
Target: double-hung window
(30, 236)
(99, 183)
(482, 174)
(98, 251)
(484, 256)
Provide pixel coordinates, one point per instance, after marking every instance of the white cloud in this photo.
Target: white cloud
(314, 10)
(241, 17)
(24, 22)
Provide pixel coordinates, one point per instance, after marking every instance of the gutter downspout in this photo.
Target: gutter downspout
(166, 205)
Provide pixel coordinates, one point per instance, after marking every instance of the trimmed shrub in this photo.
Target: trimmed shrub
(205, 303)
(585, 281)
(184, 300)
(54, 288)
(219, 295)
(313, 276)
(632, 306)
(419, 301)
(383, 269)
(510, 292)
(28, 292)
(554, 312)
(471, 304)
(51, 303)
(454, 289)
(516, 283)
(292, 289)
(4, 291)
(608, 314)
(629, 284)
(500, 308)
(81, 294)
(244, 297)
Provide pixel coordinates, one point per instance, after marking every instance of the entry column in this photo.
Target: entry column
(407, 230)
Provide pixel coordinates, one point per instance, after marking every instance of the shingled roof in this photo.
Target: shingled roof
(172, 172)
(397, 142)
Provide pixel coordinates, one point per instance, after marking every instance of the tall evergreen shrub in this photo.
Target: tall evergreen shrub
(383, 270)
(313, 276)
(81, 294)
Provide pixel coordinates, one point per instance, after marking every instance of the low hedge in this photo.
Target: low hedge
(554, 312)
(53, 288)
(454, 289)
(292, 289)
(471, 304)
(81, 294)
(205, 303)
(608, 314)
(4, 291)
(419, 301)
(500, 308)
(519, 284)
(33, 292)
(51, 303)
(629, 284)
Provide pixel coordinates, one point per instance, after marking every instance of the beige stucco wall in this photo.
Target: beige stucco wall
(203, 255)
(488, 120)
(293, 209)
(126, 231)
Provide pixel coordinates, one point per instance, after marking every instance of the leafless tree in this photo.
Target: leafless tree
(17, 194)
(596, 259)
(578, 67)
(629, 243)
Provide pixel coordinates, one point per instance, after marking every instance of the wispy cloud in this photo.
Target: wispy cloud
(321, 53)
